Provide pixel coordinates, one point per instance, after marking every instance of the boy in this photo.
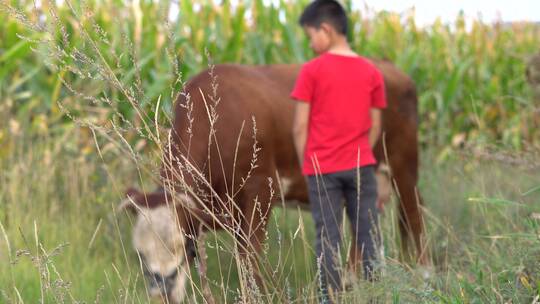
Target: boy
(336, 124)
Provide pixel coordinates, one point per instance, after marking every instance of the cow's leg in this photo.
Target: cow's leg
(256, 204)
(201, 259)
(411, 223)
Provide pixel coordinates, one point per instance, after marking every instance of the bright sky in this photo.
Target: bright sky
(428, 10)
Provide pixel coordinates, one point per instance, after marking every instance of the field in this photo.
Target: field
(73, 79)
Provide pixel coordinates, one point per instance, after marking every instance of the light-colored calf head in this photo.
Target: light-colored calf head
(161, 245)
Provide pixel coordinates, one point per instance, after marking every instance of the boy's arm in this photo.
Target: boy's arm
(378, 102)
(300, 128)
(376, 127)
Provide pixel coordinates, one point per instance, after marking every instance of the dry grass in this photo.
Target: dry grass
(61, 240)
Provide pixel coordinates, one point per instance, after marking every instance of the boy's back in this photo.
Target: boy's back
(341, 90)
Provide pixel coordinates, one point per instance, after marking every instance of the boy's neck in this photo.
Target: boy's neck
(340, 46)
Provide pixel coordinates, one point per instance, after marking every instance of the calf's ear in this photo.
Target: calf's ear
(130, 202)
(135, 200)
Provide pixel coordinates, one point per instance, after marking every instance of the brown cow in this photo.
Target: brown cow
(228, 159)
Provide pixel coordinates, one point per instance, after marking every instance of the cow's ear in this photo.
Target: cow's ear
(135, 200)
(130, 202)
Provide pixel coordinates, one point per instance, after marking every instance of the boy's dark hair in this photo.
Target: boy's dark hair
(329, 11)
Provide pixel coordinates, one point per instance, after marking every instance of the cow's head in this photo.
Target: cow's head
(162, 242)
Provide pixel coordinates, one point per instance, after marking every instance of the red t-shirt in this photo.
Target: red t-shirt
(341, 90)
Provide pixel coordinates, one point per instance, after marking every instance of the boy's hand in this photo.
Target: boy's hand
(380, 205)
(384, 186)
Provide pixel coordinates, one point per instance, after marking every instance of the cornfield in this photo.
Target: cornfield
(470, 76)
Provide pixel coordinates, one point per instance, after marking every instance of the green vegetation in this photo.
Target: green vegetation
(60, 235)
(471, 83)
